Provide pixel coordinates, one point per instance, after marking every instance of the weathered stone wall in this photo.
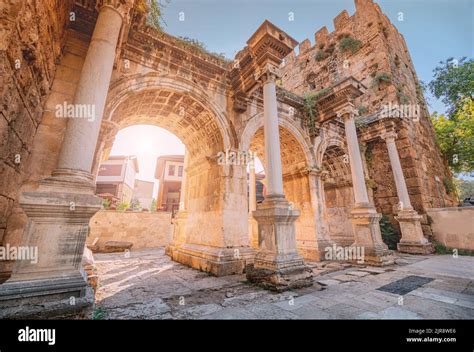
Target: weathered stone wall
(383, 51)
(297, 191)
(32, 35)
(156, 75)
(453, 227)
(339, 201)
(46, 145)
(143, 229)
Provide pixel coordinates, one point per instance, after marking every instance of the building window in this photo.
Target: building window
(171, 170)
(180, 171)
(110, 170)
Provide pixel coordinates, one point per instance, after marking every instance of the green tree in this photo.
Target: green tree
(153, 10)
(455, 136)
(453, 81)
(153, 205)
(390, 235)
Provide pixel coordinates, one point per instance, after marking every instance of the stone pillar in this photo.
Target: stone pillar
(357, 170)
(413, 241)
(278, 266)
(179, 221)
(316, 186)
(60, 209)
(273, 167)
(365, 219)
(82, 131)
(253, 227)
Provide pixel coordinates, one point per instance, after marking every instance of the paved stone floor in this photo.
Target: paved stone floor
(148, 285)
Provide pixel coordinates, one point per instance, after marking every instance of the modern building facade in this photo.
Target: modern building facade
(116, 176)
(169, 172)
(143, 193)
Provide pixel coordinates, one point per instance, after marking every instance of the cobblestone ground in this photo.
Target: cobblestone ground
(148, 285)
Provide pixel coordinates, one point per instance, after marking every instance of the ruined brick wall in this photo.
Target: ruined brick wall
(31, 39)
(46, 145)
(382, 53)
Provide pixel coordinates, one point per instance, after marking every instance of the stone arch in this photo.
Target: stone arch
(328, 139)
(337, 193)
(256, 122)
(297, 158)
(213, 191)
(128, 86)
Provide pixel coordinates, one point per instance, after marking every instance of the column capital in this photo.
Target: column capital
(122, 7)
(389, 136)
(269, 73)
(348, 112)
(313, 171)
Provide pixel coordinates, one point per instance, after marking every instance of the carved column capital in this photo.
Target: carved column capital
(312, 171)
(122, 7)
(389, 136)
(269, 73)
(347, 112)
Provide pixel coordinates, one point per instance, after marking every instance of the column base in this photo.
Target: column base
(377, 257)
(253, 232)
(415, 248)
(413, 241)
(58, 213)
(63, 297)
(214, 260)
(367, 235)
(278, 266)
(315, 252)
(282, 279)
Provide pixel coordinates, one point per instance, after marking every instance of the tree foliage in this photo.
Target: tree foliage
(453, 82)
(153, 205)
(153, 10)
(390, 235)
(455, 136)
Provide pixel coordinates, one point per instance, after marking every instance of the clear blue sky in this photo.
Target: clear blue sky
(434, 29)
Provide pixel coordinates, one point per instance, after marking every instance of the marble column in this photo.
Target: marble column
(323, 240)
(273, 167)
(82, 131)
(60, 208)
(413, 241)
(278, 266)
(365, 219)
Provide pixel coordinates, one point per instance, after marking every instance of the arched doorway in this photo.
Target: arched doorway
(213, 191)
(297, 160)
(338, 194)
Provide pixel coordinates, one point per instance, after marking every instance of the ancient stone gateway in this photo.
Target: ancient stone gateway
(329, 158)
